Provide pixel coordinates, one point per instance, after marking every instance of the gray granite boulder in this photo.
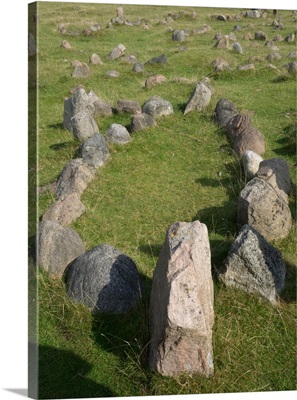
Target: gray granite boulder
(181, 303)
(254, 266)
(74, 178)
(157, 107)
(199, 99)
(237, 125)
(117, 52)
(141, 121)
(57, 247)
(65, 211)
(275, 171)
(117, 133)
(83, 126)
(261, 207)
(94, 151)
(81, 71)
(224, 111)
(105, 280)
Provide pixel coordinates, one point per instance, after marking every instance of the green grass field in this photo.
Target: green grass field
(181, 170)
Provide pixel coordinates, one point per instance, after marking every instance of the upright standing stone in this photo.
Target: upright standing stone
(224, 111)
(117, 52)
(95, 151)
(181, 305)
(199, 99)
(254, 266)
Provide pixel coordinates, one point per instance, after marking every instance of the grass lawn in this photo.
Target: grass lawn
(181, 170)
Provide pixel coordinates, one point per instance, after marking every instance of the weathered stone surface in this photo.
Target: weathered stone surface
(81, 71)
(275, 171)
(260, 35)
(237, 125)
(181, 305)
(253, 59)
(74, 178)
(179, 36)
(250, 162)
(273, 56)
(199, 99)
(220, 65)
(162, 59)
(57, 247)
(64, 212)
(261, 207)
(253, 14)
(128, 106)
(84, 126)
(271, 45)
(223, 43)
(254, 266)
(250, 139)
(95, 59)
(291, 67)
(117, 133)
(102, 108)
(154, 80)
(117, 52)
(105, 280)
(79, 102)
(237, 48)
(94, 151)
(293, 54)
(65, 44)
(138, 67)
(112, 74)
(290, 38)
(247, 36)
(141, 121)
(224, 111)
(157, 107)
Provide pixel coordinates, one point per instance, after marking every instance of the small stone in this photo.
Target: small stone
(112, 74)
(81, 71)
(247, 36)
(199, 99)
(154, 80)
(290, 38)
(179, 36)
(138, 67)
(220, 65)
(117, 133)
(157, 107)
(224, 111)
(141, 121)
(246, 67)
(95, 59)
(237, 48)
(128, 106)
(260, 35)
(117, 52)
(273, 56)
(162, 59)
(223, 43)
(254, 266)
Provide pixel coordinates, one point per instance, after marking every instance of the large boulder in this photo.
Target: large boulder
(95, 151)
(199, 99)
(181, 304)
(57, 247)
(254, 266)
(74, 178)
(157, 107)
(250, 139)
(141, 121)
(83, 126)
(237, 125)
(275, 171)
(105, 280)
(117, 133)
(261, 207)
(65, 211)
(224, 111)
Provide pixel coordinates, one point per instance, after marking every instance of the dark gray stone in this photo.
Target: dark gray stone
(105, 280)
(57, 247)
(138, 67)
(117, 133)
(254, 266)
(224, 111)
(157, 107)
(237, 48)
(260, 35)
(141, 121)
(162, 59)
(94, 151)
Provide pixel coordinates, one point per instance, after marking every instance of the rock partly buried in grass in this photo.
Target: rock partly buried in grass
(220, 65)
(260, 35)
(141, 121)
(94, 151)
(250, 162)
(57, 247)
(117, 133)
(199, 99)
(128, 106)
(66, 45)
(275, 171)
(179, 36)
(81, 71)
(66, 211)
(154, 80)
(162, 59)
(222, 43)
(117, 52)
(254, 266)
(261, 207)
(74, 178)
(224, 111)
(157, 107)
(138, 67)
(105, 280)
(181, 304)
